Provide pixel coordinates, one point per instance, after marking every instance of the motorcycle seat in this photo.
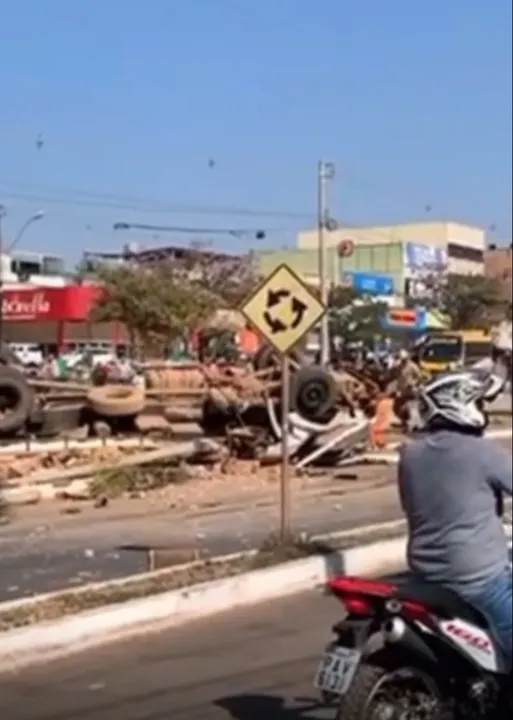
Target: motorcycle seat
(443, 600)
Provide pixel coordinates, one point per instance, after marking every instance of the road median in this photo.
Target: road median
(54, 625)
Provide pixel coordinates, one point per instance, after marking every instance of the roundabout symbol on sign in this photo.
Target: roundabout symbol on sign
(275, 298)
(283, 308)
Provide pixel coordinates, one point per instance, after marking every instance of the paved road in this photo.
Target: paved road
(250, 665)
(37, 557)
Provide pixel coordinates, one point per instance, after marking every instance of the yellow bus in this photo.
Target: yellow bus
(448, 350)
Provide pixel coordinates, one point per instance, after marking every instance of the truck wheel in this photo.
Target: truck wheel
(116, 400)
(16, 400)
(313, 393)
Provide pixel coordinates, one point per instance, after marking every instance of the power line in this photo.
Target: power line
(70, 198)
(171, 209)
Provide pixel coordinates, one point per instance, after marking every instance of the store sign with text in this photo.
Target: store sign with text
(368, 283)
(72, 303)
(25, 306)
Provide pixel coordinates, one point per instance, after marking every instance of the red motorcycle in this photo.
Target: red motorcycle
(412, 652)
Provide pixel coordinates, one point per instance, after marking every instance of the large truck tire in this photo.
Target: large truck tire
(16, 400)
(116, 400)
(313, 393)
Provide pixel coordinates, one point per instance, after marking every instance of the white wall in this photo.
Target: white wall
(11, 281)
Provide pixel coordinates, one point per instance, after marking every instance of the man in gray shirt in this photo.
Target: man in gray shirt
(450, 477)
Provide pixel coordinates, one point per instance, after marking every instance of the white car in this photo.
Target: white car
(30, 356)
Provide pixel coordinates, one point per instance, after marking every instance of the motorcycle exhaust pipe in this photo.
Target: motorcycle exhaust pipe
(394, 630)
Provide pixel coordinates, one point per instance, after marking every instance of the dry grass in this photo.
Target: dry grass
(115, 482)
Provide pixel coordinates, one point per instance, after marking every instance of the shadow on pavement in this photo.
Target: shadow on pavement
(270, 707)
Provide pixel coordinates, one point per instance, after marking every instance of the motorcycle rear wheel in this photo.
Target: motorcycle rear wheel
(385, 693)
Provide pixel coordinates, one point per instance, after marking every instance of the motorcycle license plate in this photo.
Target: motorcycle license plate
(337, 670)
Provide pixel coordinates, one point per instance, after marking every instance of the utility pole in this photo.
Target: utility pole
(325, 173)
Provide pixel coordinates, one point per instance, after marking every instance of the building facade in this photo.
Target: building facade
(464, 245)
(371, 269)
(388, 271)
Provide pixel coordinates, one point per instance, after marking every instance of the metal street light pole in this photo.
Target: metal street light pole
(325, 173)
(39, 215)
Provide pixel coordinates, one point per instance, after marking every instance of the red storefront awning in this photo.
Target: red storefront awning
(71, 303)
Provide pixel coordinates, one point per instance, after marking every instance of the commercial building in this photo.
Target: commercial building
(40, 303)
(464, 245)
(388, 271)
(389, 262)
(39, 307)
(54, 316)
(374, 270)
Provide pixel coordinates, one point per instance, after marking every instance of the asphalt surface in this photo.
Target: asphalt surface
(93, 546)
(251, 664)
(256, 664)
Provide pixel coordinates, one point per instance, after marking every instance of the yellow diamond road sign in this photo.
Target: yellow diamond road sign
(283, 309)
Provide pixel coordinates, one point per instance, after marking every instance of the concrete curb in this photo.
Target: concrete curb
(394, 528)
(49, 641)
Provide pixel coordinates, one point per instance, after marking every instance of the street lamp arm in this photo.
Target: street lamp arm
(236, 232)
(34, 218)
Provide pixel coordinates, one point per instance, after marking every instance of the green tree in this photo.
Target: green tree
(340, 297)
(359, 321)
(156, 303)
(471, 301)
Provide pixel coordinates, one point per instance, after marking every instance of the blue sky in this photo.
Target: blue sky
(410, 99)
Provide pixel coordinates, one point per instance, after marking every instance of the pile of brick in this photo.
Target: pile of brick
(20, 465)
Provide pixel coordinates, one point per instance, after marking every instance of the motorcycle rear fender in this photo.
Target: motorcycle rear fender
(412, 644)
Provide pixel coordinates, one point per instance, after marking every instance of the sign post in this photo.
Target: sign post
(284, 474)
(283, 309)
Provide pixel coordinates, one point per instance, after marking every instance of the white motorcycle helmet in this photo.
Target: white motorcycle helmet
(456, 399)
